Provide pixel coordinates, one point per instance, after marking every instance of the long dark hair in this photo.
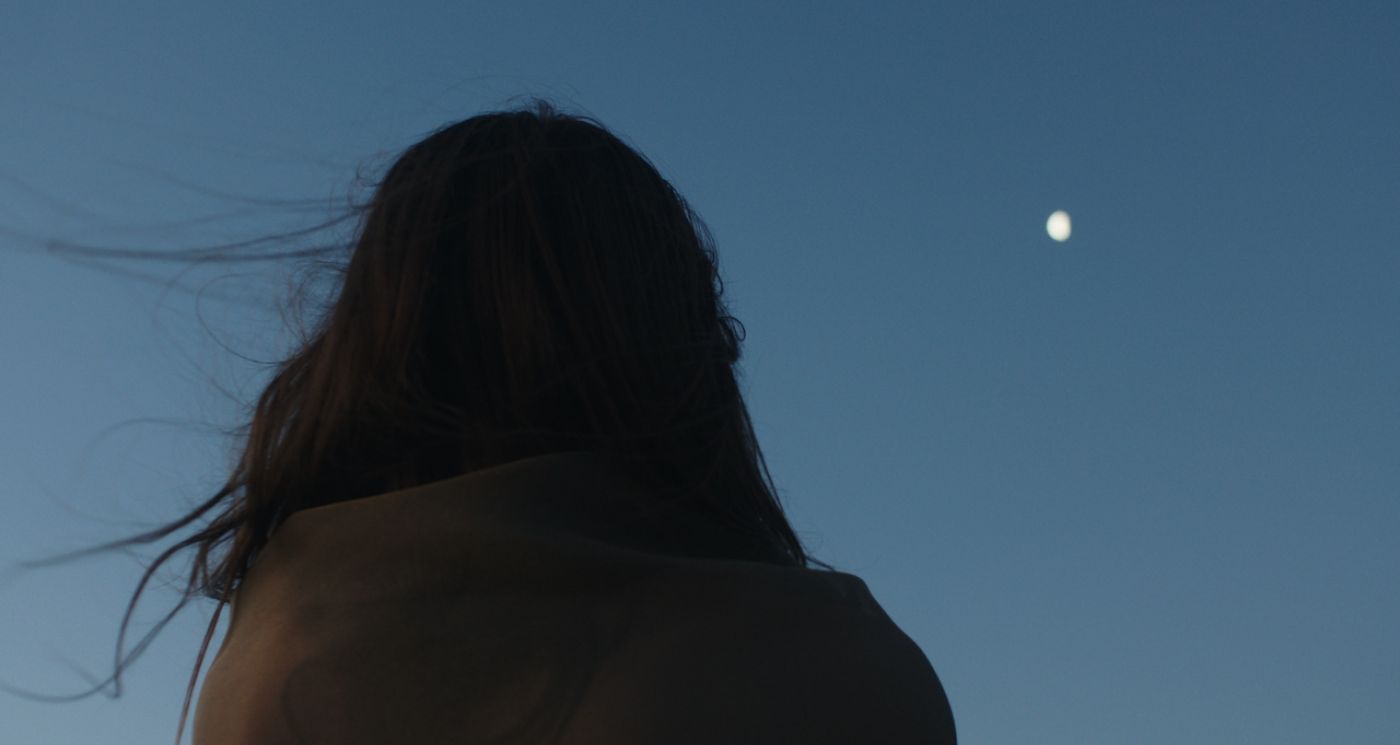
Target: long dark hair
(521, 283)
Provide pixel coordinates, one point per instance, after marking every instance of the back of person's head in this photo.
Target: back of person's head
(522, 283)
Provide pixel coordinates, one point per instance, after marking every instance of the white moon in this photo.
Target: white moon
(1058, 226)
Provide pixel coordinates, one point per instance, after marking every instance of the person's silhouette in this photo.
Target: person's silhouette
(508, 490)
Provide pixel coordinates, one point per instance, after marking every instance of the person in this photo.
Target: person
(507, 491)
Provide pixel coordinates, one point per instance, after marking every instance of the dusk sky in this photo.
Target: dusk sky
(1139, 486)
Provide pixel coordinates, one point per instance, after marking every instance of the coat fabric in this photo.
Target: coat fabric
(550, 601)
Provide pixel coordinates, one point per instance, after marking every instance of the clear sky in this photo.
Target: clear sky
(1140, 486)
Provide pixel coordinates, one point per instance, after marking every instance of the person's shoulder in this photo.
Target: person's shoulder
(753, 654)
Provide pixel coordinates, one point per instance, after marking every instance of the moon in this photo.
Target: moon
(1058, 226)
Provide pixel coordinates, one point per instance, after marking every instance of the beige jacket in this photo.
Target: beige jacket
(545, 601)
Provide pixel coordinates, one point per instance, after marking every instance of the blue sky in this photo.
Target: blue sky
(1141, 486)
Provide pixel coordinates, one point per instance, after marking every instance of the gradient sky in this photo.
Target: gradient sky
(1141, 486)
